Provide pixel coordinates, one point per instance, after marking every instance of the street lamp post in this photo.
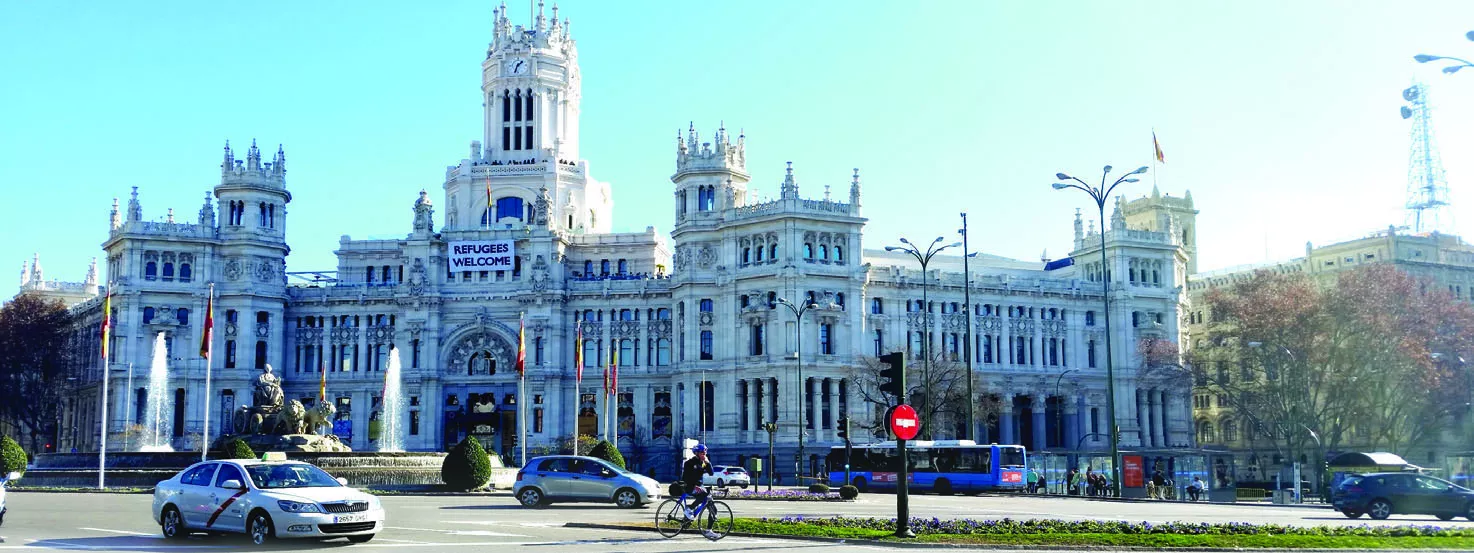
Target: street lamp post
(1059, 413)
(1100, 195)
(972, 417)
(798, 319)
(1451, 69)
(1289, 433)
(923, 258)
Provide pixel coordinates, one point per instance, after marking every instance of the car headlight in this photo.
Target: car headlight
(374, 503)
(298, 507)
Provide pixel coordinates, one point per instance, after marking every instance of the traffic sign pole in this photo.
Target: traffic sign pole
(904, 423)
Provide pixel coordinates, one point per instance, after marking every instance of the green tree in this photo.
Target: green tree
(35, 361)
(467, 466)
(606, 451)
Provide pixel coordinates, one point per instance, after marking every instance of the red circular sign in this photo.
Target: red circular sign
(903, 422)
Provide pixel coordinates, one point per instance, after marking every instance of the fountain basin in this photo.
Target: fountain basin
(378, 470)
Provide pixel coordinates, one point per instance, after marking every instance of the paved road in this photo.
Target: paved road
(110, 522)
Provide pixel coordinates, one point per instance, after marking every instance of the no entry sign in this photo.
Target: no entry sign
(904, 422)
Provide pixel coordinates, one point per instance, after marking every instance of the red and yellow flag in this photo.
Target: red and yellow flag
(611, 377)
(107, 323)
(521, 346)
(1157, 147)
(578, 352)
(490, 217)
(322, 385)
(209, 329)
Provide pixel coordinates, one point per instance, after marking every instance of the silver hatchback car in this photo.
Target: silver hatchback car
(557, 478)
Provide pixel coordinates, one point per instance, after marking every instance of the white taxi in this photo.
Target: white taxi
(265, 499)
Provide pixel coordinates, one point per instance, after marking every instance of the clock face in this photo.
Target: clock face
(517, 67)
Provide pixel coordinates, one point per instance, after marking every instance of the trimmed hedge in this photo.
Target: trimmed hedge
(12, 456)
(1048, 526)
(818, 488)
(606, 451)
(467, 467)
(848, 492)
(238, 449)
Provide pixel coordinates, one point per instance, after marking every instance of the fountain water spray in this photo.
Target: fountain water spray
(391, 435)
(158, 429)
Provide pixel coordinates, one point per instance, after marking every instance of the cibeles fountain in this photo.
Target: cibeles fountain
(270, 423)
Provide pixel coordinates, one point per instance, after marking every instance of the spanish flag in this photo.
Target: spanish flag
(209, 330)
(611, 376)
(1157, 147)
(322, 385)
(578, 352)
(489, 215)
(521, 346)
(107, 323)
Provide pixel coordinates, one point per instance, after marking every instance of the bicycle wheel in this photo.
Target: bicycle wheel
(718, 519)
(670, 518)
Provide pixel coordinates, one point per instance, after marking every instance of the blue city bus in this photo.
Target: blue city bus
(941, 466)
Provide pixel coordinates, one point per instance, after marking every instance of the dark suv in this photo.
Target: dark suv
(1402, 493)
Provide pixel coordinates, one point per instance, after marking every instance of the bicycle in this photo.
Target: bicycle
(712, 515)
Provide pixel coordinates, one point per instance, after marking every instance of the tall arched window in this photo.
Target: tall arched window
(772, 252)
(148, 315)
(150, 270)
(747, 255)
(260, 354)
(182, 315)
(839, 253)
(168, 271)
(185, 273)
(823, 252)
(588, 268)
(808, 250)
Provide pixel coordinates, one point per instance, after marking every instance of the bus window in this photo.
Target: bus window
(1011, 456)
(985, 459)
(921, 460)
(967, 460)
(948, 460)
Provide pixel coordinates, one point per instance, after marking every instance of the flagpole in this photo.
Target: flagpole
(577, 379)
(107, 312)
(128, 414)
(209, 349)
(522, 384)
(1156, 147)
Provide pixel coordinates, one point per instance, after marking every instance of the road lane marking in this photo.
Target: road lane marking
(128, 532)
(486, 533)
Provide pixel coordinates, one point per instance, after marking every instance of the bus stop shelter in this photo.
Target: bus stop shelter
(1354, 462)
(1178, 466)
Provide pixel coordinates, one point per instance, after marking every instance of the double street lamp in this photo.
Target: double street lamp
(923, 258)
(798, 319)
(1101, 194)
(1451, 69)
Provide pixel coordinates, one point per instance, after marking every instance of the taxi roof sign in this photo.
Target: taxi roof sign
(274, 456)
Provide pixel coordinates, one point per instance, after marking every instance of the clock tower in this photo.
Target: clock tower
(530, 87)
(528, 156)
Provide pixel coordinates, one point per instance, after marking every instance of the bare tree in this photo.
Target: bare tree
(938, 393)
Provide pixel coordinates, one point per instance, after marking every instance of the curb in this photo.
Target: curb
(1008, 547)
(1165, 501)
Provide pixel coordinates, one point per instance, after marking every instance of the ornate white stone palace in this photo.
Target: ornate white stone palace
(689, 312)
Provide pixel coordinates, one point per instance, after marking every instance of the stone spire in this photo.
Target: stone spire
(1118, 218)
(25, 273)
(91, 281)
(279, 163)
(424, 213)
(541, 21)
(36, 276)
(115, 219)
(229, 161)
(1079, 230)
(855, 189)
(135, 210)
(207, 213)
(542, 207)
(170, 217)
(790, 186)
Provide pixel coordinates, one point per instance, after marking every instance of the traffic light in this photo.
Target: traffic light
(893, 377)
(844, 428)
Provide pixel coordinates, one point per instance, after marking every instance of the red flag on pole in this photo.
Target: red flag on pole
(521, 346)
(606, 381)
(209, 328)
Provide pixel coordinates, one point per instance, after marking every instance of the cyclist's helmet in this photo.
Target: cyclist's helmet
(699, 448)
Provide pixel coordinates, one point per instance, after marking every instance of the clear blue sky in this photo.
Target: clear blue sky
(1281, 117)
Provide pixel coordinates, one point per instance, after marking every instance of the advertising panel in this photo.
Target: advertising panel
(1131, 471)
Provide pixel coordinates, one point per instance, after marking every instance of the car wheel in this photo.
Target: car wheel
(627, 498)
(530, 497)
(171, 523)
(721, 483)
(1351, 513)
(942, 486)
(1469, 512)
(364, 538)
(744, 486)
(1445, 516)
(1380, 509)
(259, 528)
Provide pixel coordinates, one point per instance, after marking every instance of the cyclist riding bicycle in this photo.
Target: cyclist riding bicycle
(692, 473)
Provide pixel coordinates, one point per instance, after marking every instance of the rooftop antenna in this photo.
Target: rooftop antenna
(1427, 190)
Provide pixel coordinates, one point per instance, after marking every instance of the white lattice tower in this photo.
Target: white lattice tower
(1427, 190)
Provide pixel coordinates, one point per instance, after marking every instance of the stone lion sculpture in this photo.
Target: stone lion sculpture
(293, 418)
(319, 419)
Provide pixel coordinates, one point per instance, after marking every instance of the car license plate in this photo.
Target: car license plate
(350, 518)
